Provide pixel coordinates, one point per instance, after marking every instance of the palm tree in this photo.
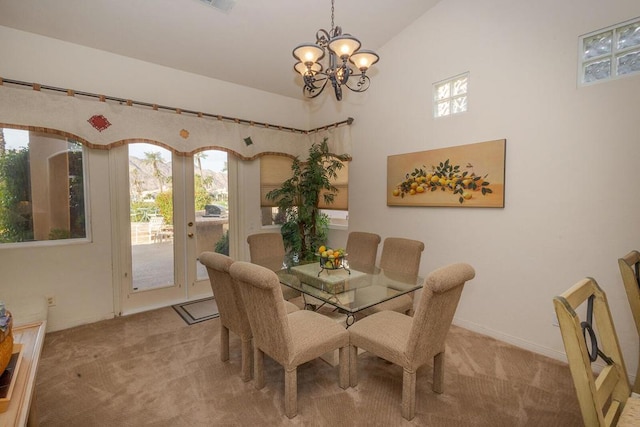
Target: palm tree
(198, 157)
(205, 182)
(136, 183)
(154, 159)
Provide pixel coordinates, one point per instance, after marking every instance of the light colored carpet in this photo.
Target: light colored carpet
(152, 369)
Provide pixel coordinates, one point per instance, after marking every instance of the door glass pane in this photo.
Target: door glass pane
(151, 207)
(211, 205)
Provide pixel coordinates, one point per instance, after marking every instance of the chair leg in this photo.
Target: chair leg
(291, 392)
(246, 359)
(258, 367)
(353, 366)
(344, 367)
(408, 394)
(438, 372)
(224, 343)
(636, 384)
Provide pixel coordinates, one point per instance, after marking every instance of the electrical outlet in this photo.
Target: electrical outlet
(51, 301)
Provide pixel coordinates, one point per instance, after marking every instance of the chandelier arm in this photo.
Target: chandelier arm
(311, 80)
(322, 38)
(308, 92)
(361, 85)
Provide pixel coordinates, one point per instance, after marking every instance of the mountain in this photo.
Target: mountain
(143, 180)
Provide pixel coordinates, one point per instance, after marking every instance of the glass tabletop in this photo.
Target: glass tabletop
(348, 290)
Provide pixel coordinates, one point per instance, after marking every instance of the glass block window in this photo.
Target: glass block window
(450, 96)
(610, 53)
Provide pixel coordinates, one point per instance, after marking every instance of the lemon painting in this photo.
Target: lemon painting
(467, 175)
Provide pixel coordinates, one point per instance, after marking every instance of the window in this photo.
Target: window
(41, 187)
(450, 96)
(610, 53)
(274, 170)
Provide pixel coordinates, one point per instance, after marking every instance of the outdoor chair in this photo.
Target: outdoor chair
(604, 399)
(267, 250)
(290, 340)
(412, 342)
(233, 316)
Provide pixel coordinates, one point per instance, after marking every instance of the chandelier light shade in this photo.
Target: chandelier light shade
(334, 58)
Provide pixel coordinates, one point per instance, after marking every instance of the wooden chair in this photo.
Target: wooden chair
(267, 250)
(233, 315)
(630, 270)
(362, 250)
(400, 256)
(412, 342)
(290, 340)
(604, 400)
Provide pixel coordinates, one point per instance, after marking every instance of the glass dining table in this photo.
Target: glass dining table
(348, 290)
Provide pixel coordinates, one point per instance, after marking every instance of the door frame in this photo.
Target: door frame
(186, 286)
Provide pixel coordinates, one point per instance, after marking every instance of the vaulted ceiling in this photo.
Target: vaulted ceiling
(249, 45)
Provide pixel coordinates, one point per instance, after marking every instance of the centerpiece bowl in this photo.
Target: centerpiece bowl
(6, 338)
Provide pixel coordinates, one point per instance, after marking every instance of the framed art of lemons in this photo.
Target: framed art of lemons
(466, 176)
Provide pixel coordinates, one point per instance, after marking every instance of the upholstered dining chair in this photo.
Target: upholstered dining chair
(267, 250)
(400, 256)
(233, 315)
(411, 342)
(362, 250)
(604, 400)
(630, 270)
(290, 340)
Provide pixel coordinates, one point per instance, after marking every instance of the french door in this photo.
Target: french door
(168, 210)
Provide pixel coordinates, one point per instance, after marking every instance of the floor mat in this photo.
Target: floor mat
(197, 311)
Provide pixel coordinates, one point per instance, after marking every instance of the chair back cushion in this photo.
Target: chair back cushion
(265, 307)
(434, 314)
(362, 250)
(228, 299)
(267, 250)
(401, 255)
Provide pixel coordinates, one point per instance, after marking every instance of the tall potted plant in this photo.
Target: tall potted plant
(305, 228)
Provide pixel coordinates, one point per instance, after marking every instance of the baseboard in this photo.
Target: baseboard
(527, 345)
(57, 325)
(518, 342)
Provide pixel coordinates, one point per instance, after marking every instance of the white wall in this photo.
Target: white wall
(80, 276)
(572, 206)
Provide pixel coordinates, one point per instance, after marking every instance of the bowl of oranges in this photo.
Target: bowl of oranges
(331, 259)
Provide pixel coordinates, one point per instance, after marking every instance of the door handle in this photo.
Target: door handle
(190, 235)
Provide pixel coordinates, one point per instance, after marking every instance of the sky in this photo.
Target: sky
(214, 160)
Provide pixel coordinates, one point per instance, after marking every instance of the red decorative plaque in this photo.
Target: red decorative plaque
(99, 122)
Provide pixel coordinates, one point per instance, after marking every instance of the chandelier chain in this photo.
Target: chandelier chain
(332, 13)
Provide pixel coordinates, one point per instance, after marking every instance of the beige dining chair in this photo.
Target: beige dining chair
(362, 250)
(267, 250)
(233, 315)
(604, 399)
(401, 256)
(630, 271)
(412, 342)
(290, 340)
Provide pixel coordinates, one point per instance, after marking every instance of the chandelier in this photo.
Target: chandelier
(342, 57)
